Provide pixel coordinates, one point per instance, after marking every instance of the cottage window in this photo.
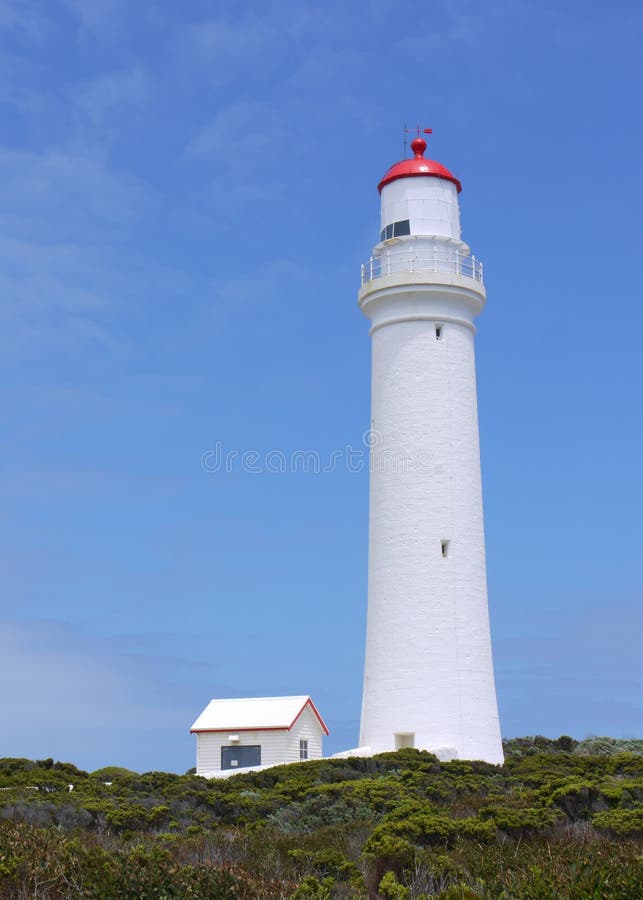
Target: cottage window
(303, 748)
(240, 757)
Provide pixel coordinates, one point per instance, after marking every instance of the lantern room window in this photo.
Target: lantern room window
(396, 229)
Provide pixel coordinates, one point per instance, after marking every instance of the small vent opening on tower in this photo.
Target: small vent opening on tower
(445, 548)
(438, 332)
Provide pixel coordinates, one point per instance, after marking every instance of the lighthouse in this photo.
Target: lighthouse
(428, 679)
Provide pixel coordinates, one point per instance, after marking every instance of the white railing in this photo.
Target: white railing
(446, 262)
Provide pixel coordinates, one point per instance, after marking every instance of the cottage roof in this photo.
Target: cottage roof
(254, 714)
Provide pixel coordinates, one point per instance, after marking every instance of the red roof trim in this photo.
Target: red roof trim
(310, 703)
(232, 730)
(430, 168)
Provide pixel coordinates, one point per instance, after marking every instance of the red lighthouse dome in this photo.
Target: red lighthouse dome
(407, 168)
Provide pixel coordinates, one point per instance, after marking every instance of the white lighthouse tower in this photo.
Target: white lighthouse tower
(428, 680)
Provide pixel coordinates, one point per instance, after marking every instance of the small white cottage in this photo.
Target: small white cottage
(257, 731)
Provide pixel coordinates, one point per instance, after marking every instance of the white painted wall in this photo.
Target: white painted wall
(209, 744)
(428, 668)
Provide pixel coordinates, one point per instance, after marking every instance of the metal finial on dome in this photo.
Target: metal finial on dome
(418, 146)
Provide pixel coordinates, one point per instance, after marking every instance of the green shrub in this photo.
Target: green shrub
(426, 828)
(620, 821)
(313, 889)
(458, 892)
(332, 828)
(112, 773)
(391, 888)
(519, 822)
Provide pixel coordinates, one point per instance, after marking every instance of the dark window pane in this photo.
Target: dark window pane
(389, 232)
(400, 228)
(239, 757)
(382, 233)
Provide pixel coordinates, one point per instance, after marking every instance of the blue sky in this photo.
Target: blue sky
(188, 189)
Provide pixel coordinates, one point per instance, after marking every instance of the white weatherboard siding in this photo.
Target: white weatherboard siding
(306, 727)
(428, 678)
(209, 744)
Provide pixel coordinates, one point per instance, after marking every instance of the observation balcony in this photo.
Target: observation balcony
(444, 262)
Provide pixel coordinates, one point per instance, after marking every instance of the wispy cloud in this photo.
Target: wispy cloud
(478, 25)
(220, 43)
(95, 15)
(236, 298)
(23, 16)
(573, 667)
(62, 688)
(260, 122)
(577, 32)
(75, 189)
(111, 94)
(64, 217)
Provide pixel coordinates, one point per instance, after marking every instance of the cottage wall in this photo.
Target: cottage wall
(209, 743)
(307, 727)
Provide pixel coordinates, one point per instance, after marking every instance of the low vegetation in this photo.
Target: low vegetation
(560, 819)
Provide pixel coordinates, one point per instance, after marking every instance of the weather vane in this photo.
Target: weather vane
(417, 131)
